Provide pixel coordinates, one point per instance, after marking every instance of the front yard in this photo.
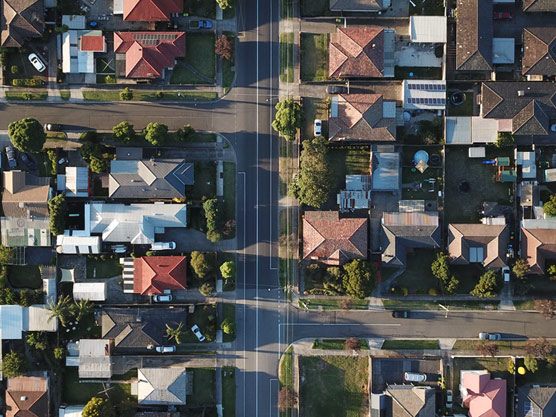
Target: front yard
(204, 316)
(286, 57)
(201, 56)
(200, 8)
(334, 386)
(314, 56)
(205, 181)
(229, 391)
(418, 278)
(204, 387)
(102, 266)
(314, 108)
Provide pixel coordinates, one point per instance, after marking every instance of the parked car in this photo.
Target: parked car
(506, 274)
(489, 336)
(317, 127)
(449, 399)
(553, 127)
(10, 154)
(414, 377)
(165, 349)
(165, 298)
(200, 24)
(400, 314)
(163, 246)
(336, 89)
(119, 248)
(37, 63)
(510, 253)
(49, 127)
(25, 159)
(62, 161)
(503, 15)
(93, 24)
(197, 332)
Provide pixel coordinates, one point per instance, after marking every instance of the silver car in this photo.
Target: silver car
(37, 63)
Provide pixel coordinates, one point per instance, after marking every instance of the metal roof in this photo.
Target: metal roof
(92, 291)
(428, 29)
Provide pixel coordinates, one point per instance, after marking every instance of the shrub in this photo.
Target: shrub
(13, 365)
(433, 292)
(14, 69)
(487, 286)
(206, 288)
(228, 269)
(109, 79)
(89, 136)
(57, 207)
(224, 47)
(359, 279)
(531, 364)
(549, 208)
(202, 264)
(126, 94)
(228, 326)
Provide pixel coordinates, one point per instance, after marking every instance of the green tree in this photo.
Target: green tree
(207, 288)
(228, 326)
(81, 309)
(316, 178)
(156, 133)
(440, 267)
(57, 207)
(175, 333)
(89, 150)
(549, 208)
(6, 255)
(521, 268)
(226, 4)
(228, 269)
(214, 236)
(124, 132)
(27, 135)
(59, 353)
(504, 139)
(99, 165)
(451, 286)
(531, 364)
(359, 278)
(126, 94)
(37, 340)
(60, 309)
(98, 407)
(13, 365)
(213, 214)
(202, 264)
(288, 118)
(487, 286)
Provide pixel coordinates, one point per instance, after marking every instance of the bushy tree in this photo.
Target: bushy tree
(89, 150)
(98, 407)
(540, 348)
(126, 94)
(27, 135)
(315, 180)
(6, 255)
(288, 118)
(549, 208)
(207, 288)
(202, 264)
(37, 340)
(156, 133)
(226, 4)
(440, 267)
(531, 364)
(59, 353)
(359, 278)
(504, 139)
(124, 132)
(224, 47)
(487, 286)
(352, 344)
(228, 326)
(213, 214)
(214, 236)
(228, 269)
(57, 207)
(521, 268)
(99, 165)
(13, 365)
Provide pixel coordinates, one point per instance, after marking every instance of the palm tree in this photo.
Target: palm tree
(176, 333)
(60, 309)
(82, 308)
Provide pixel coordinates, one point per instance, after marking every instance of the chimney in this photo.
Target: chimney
(521, 93)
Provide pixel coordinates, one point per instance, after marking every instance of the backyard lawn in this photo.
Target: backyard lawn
(463, 207)
(204, 386)
(314, 56)
(76, 392)
(286, 57)
(229, 391)
(25, 276)
(201, 56)
(498, 368)
(205, 181)
(465, 109)
(418, 278)
(314, 108)
(103, 268)
(427, 190)
(333, 386)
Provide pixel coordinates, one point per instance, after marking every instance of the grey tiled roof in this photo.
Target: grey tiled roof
(356, 5)
(542, 401)
(162, 386)
(411, 401)
(539, 54)
(395, 241)
(21, 19)
(539, 5)
(474, 35)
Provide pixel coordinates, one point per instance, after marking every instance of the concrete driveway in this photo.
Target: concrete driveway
(391, 371)
(188, 240)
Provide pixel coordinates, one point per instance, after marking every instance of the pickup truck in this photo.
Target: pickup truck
(200, 24)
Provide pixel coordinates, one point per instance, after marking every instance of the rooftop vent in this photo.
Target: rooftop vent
(23, 398)
(520, 93)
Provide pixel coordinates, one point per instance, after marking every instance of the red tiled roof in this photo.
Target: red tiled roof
(332, 240)
(538, 245)
(151, 10)
(92, 43)
(485, 397)
(146, 57)
(357, 52)
(27, 396)
(154, 274)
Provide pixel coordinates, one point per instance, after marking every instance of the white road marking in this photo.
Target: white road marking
(270, 407)
(341, 324)
(257, 237)
(244, 287)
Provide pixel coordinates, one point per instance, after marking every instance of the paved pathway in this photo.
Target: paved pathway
(506, 301)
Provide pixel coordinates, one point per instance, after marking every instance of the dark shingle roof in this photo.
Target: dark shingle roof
(356, 5)
(396, 240)
(542, 401)
(474, 35)
(539, 6)
(411, 401)
(21, 19)
(539, 51)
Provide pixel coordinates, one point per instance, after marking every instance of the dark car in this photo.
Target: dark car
(205, 24)
(27, 161)
(49, 127)
(10, 154)
(400, 314)
(503, 16)
(336, 89)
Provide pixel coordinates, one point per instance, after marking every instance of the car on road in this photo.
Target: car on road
(317, 129)
(163, 246)
(197, 332)
(25, 159)
(489, 336)
(50, 127)
(336, 89)
(506, 274)
(10, 154)
(503, 16)
(165, 349)
(37, 63)
(400, 314)
(449, 399)
(163, 298)
(414, 377)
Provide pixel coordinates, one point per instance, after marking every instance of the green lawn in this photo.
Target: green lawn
(427, 7)
(418, 278)
(230, 192)
(204, 317)
(465, 109)
(286, 57)
(433, 304)
(336, 344)
(149, 95)
(314, 108)
(229, 312)
(205, 181)
(183, 75)
(285, 374)
(26, 95)
(102, 95)
(498, 368)
(76, 392)
(25, 276)
(422, 73)
(199, 53)
(65, 94)
(229, 391)
(502, 344)
(334, 386)
(105, 268)
(312, 8)
(314, 57)
(200, 8)
(427, 191)
(332, 304)
(410, 344)
(204, 387)
(463, 207)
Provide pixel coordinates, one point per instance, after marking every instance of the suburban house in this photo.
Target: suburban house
(406, 230)
(357, 194)
(21, 20)
(25, 195)
(139, 328)
(92, 357)
(154, 274)
(151, 178)
(536, 401)
(539, 53)
(474, 35)
(483, 395)
(23, 232)
(332, 240)
(28, 396)
(539, 6)
(161, 386)
(70, 410)
(75, 182)
(364, 52)
(78, 50)
(147, 10)
(409, 401)
(478, 243)
(147, 54)
(424, 95)
(359, 5)
(522, 108)
(362, 118)
(15, 319)
(538, 244)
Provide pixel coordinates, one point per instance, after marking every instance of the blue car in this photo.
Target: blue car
(10, 154)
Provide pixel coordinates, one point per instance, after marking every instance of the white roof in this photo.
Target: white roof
(94, 358)
(477, 152)
(71, 411)
(77, 182)
(550, 175)
(78, 244)
(386, 172)
(428, 29)
(484, 130)
(463, 130)
(503, 50)
(424, 94)
(36, 319)
(118, 7)
(93, 291)
(75, 60)
(75, 21)
(528, 165)
(11, 321)
(49, 288)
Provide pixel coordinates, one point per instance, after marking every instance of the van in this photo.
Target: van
(414, 377)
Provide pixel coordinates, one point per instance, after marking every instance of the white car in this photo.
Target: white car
(449, 399)
(197, 332)
(119, 248)
(317, 127)
(166, 298)
(490, 336)
(163, 246)
(553, 127)
(506, 274)
(414, 377)
(165, 349)
(37, 63)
